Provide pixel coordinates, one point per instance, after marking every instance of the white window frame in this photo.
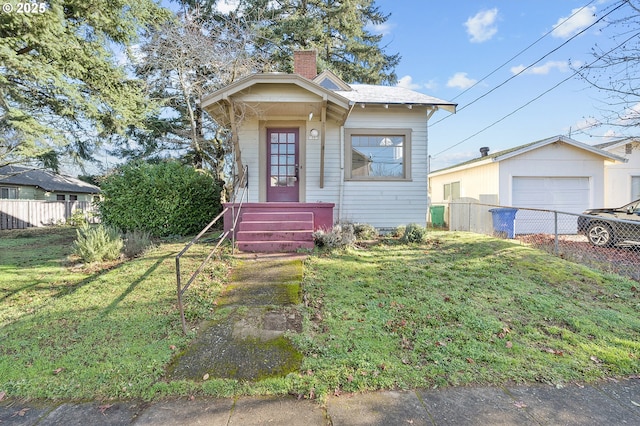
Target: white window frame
(635, 187)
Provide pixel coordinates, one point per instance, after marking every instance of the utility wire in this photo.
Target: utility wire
(532, 64)
(539, 96)
(520, 52)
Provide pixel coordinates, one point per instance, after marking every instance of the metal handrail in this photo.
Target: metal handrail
(181, 290)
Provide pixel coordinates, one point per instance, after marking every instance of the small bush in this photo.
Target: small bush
(136, 243)
(399, 231)
(78, 218)
(414, 233)
(364, 231)
(98, 243)
(341, 235)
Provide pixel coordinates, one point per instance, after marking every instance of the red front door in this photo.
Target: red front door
(282, 165)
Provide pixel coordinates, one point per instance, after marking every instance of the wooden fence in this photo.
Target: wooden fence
(20, 214)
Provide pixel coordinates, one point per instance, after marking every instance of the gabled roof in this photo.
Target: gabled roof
(329, 80)
(519, 150)
(616, 144)
(48, 181)
(271, 78)
(349, 94)
(393, 95)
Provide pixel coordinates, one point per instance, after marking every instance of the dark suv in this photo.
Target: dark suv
(602, 226)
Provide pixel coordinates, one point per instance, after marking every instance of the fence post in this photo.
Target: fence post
(555, 223)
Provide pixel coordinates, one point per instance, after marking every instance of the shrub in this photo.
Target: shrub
(341, 235)
(136, 243)
(164, 199)
(364, 231)
(78, 218)
(399, 231)
(414, 233)
(97, 243)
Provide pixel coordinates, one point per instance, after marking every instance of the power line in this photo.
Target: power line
(622, 3)
(537, 97)
(520, 52)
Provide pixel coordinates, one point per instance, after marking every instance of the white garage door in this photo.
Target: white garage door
(565, 194)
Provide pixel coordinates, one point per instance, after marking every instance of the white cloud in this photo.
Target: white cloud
(544, 69)
(631, 114)
(407, 83)
(461, 81)
(577, 20)
(226, 6)
(481, 27)
(585, 124)
(381, 29)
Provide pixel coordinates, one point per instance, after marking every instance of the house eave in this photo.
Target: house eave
(275, 78)
(562, 139)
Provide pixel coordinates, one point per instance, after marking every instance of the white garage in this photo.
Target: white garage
(569, 194)
(557, 173)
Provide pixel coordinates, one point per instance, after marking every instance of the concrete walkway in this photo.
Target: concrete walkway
(607, 403)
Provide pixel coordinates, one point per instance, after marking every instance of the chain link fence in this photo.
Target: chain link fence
(607, 241)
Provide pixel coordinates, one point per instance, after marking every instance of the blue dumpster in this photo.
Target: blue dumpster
(504, 221)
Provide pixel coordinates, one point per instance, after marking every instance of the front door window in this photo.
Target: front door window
(283, 169)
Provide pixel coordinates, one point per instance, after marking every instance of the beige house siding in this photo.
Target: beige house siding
(474, 182)
(618, 176)
(388, 203)
(384, 204)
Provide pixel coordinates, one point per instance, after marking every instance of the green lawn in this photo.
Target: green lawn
(464, 309)
(460, 309)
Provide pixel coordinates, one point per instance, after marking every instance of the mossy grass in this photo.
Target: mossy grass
(462, 309)
(457, 309)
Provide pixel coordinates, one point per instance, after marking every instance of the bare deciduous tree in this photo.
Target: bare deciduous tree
(181, 62)
(615, 72)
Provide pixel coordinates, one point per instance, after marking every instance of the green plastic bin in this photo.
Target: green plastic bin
(437, 216)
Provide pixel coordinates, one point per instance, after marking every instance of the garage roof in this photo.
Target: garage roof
(518, 150)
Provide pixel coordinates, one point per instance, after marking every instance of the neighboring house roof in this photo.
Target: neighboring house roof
(48, 181)
(518, 150)
(392, 95)
(616, 143)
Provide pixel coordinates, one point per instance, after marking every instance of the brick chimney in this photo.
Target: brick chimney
(304, 63)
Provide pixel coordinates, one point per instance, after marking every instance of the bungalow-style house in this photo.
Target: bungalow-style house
(319, 151)
(23, 183)
(558, 173)
(622, 180)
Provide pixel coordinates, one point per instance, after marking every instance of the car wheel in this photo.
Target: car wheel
(600, 235)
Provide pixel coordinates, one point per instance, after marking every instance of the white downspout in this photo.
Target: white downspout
(430, 113)
(341, 186)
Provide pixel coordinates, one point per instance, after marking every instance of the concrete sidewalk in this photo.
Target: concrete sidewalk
(613, 402)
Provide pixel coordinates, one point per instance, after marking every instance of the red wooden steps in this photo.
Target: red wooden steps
(275, 232)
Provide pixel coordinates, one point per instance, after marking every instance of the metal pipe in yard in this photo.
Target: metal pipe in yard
(555, 223)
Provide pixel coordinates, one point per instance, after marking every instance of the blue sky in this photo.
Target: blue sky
(447, 47)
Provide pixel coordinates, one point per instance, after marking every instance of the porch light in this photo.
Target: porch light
(314, 134)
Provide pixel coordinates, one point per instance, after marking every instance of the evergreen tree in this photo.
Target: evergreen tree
(62, 89)
(337, 29)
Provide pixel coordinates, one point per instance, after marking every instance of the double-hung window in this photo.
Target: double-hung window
(378, 154)
(8, 193)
